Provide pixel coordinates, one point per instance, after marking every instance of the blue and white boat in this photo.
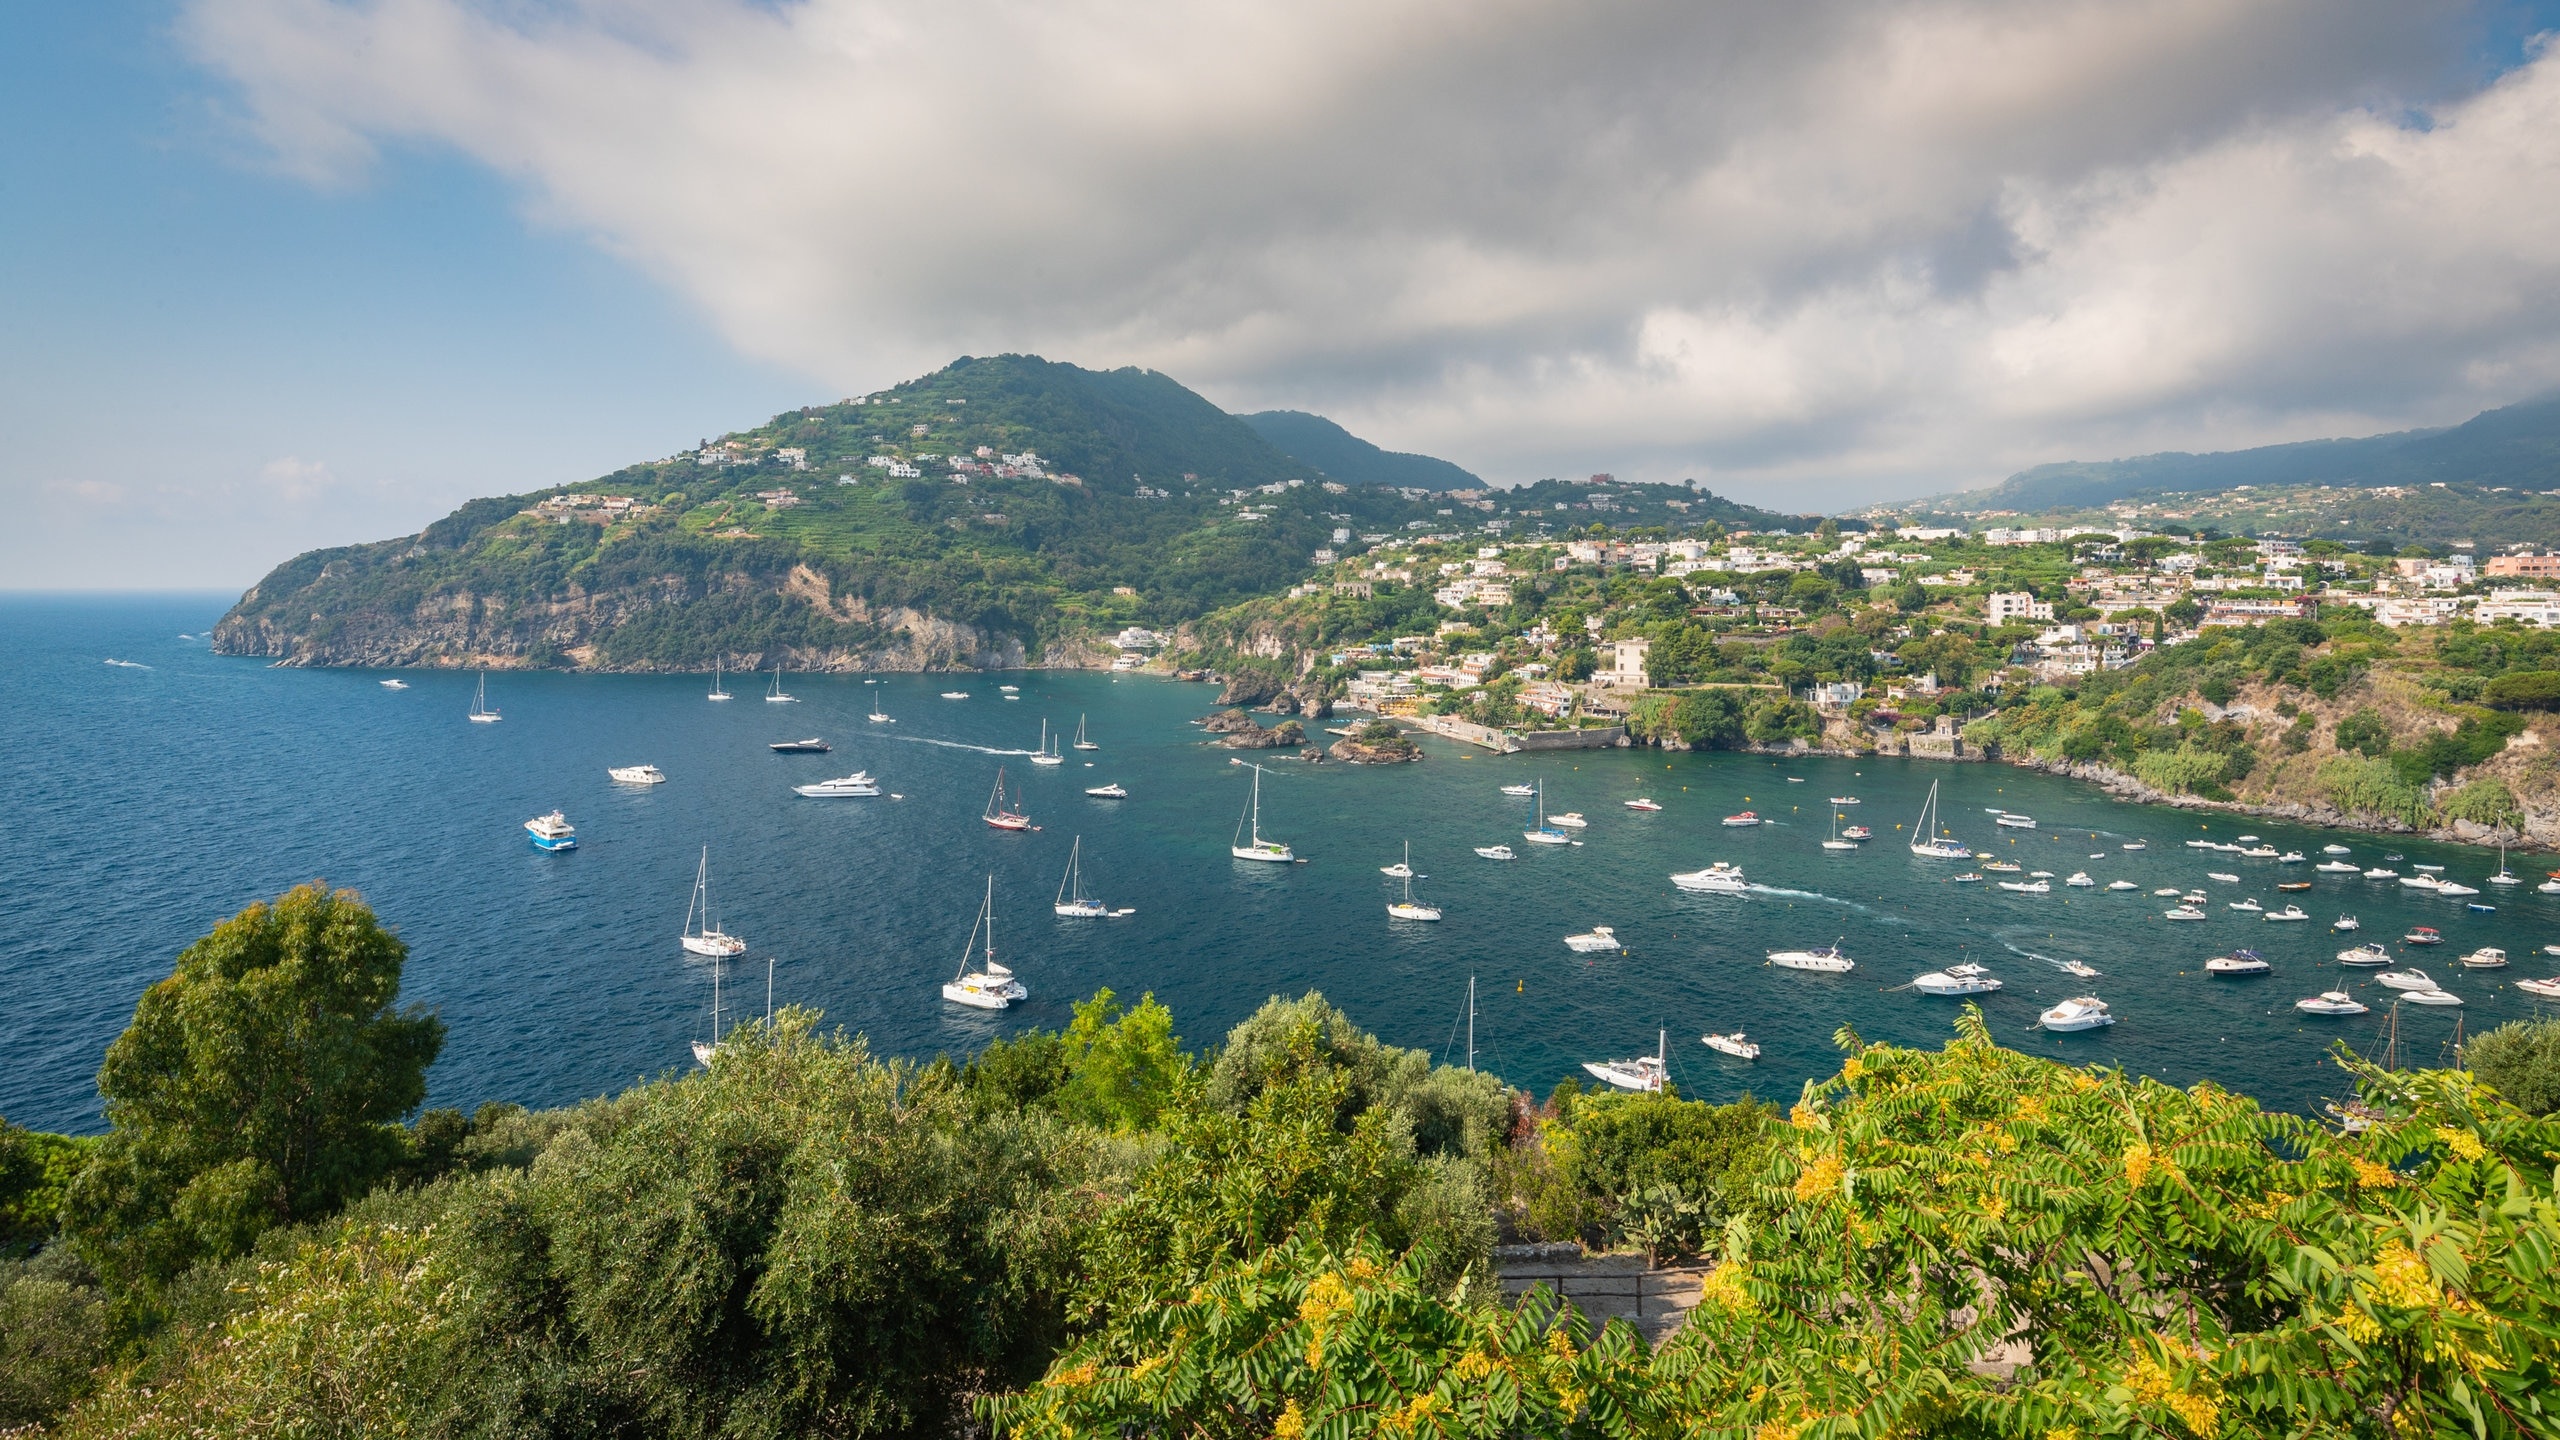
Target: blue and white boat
(552, 832)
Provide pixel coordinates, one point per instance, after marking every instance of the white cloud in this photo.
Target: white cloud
(1815, 252)
(293, 478)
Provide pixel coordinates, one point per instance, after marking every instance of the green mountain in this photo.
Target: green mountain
(2518, 447)
(1345, 456)
(977, 515)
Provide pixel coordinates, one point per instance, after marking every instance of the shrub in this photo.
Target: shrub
(2485, 801)
(53, 1334)
(2372, 787)
(2363, 732)
(2524, 690)
(2522, 1059)
(2185, 770)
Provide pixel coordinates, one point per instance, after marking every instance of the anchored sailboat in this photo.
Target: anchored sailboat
(717, 693)
(1255, 847)
(481, 714)
(878, 716)
(709, 938)
(777, 697)
(1004, 816)
(1047, 754)
(704, 1050)
(991, 986)
(1544, 833)
(1072, 901)
(1925, 837)
(1081, 742)
(1406, 909)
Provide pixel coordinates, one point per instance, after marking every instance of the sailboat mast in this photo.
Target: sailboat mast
(768, 992)
(991, 920)
(1257, 806)
(1471, 1024)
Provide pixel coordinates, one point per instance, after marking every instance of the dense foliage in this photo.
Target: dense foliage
(2522, 1059)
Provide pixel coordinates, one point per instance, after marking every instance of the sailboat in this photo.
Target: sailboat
(777, 697)
(991, 986)
(704, 1050)
(1406, 909)
(878, 716)
(2504, 875)
(1002, 816)
(717, 692)
(1047, 754)
(1544, 833)
(1081, 742)
(1072, 901)
(1835, 842)
(1644, 1072)
(1925, 839)
(481, 714)
(1255, 847)
(709, 939)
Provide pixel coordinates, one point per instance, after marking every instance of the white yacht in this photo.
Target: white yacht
(481, 714)
(1072, 901)
(2184, 912)
(552, 832)
(2122, 885)
(2225, 876)
(2431, 997)
(1407, 908)
(2368, 954)
(2547, 989)
(2331, 1002)
(1571, 820)
(1927, 837)
(1966, 979)
(1082, 743)
(843, 787)
(2028, 887)
(2238, 962)
(2086, 1012)
(1593, 941)
(702, 933)
(717, 691)
(1402, 869)
(1496, 852)
(2081, 968)
(2291, 857)
(2336, 850)
(1521, 792)
(638, 774)
(1645, 1072)
(2248, 907)
(2455, 890)
(1723, 877)
(2080, 880)
(395, 684)
(1826, 960)
(1112, 791)
(2410, 979)
(2011, 820)
(1250, 825)
(1734, 1045)
(2379, 873)
(991, 986)
(2136, 845)
(2487, 957)
(2335, 867)
(2290, 913)
(1544, 833)
(775, 696)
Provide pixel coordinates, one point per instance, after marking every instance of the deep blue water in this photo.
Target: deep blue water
(146, 804)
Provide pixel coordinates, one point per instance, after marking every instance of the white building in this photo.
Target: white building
(2013, 607)
(2532, 607)
(1626, 665)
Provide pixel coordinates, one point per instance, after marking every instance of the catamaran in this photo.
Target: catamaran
(1644, 1072)
(709, 939)
(991, 986)
(776, 697)
(717, 693)
(1925, 837)
(1544, 833)
(1047, 754)
(1081, 742)
(1004, 816)
(878, 715)
(481, 714)
(1072, 901)
(1407, 909)
(1249, 831)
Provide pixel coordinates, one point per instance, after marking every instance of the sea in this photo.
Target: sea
(153, 788)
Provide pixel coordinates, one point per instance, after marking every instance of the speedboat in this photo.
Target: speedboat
(395, 684)
(1746, 818)
(1496, 852)
(2431, 997)
(2238, 962)
(1966, 979)
(2080, 879)
(1857, 832)
(1827, 960)
(1967, 878)
(2122, 885)
(1734, 1045)
(2260, 852)
(2369, 953)
(1010, 689)
(1645, 1072)
(2247, 839)
(638, 774)
(2003, 867)
(2249, 906)
(2028, 887)
(1723, 877)
(2081, 968)
(1522, 791)
(1593, 940)
(2086, 1012)
(955, 694)
(1844, 799)
(2336, 850)
(1643, 802)
(552, 832)
(2547, 989)
(2345, 923)
(2184, 912)
(2288, 914)
(1571, 820)
(2422, 935)
(2379, 873)
(2330, 1002)
(811, 746)
(2411, 979)
(2487, 957)
(2136, 845)
(2455, 890)
(2291, 857)
(2548, 887)
(2335, 867)
(2225, 876)
(2013, 821)
(2420, 882)
(1112, 791)
(843, 787)
(2168, 891)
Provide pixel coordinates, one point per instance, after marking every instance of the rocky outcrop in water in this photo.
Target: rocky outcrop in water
(1282, 736)
(1376, 743)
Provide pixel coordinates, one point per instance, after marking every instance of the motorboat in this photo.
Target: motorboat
(1643, 1073)
(2331, 1002)
(2003, 867)
(1967, 979)
(1826, 960)
(638, 774)
(2547, 989)
(1644, 802)
(2080, 880)
(2238, 962)
(552, 832)
(1520, 791)
(2487, 957)
(2336, 850)
(2122, 885)
(395, 684)
(1112, 791)
(1248, 843)
(1968, 878)
(811, 746)
(2013, 821)
(2135, 845)
(2421, 882)
(2422, 935)
(2246, 839)
(2225, 876)
(1593, 941)
(2193, 897)
(991, 986)
(1402, 869)
(2455, 890)
(2345, 923)
(1856, 832)
(2184, 912)
(2028, 887)
(1408, 908)
(702, 934)
(2548, 887)
(1723, 877)
(2260, 852)
(2291, 857)
(2086, 1012)
(2335, 867)
(2379, 873)
(2168, 892)
(1844, 799)
(1734, 1045)
(1009, 689)
(2411, 979)
(2039, 874)
(1571, 820)
(1741, 821)
(2081, 968)
(1929, 839)
(955, 694)
(2294, 885)
(2368, 954)
(1003, 813)
(1496, 852)
(2431, 997)
(2250, 906)
(2291, 914)
(843, 787)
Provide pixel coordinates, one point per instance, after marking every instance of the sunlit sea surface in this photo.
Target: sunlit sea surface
(145, 804)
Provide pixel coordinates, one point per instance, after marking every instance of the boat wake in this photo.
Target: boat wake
(127, 664)
(2032, 955)
(953, 745)
(1785, 893)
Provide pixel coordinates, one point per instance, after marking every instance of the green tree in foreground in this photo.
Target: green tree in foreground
(2522, 1059)
(260, 1084)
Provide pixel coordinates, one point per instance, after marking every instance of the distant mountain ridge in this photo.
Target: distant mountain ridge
(2517, 446)
(1346, 457)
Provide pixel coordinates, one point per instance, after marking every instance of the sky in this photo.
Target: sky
(277, 274)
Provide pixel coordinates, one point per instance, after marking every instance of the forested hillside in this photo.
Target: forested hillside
(1347, 457)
